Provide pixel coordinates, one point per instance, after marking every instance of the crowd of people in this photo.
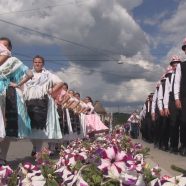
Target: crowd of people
(163, 116)
(36, 104)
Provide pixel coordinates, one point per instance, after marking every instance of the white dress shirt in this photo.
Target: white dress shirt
(177, 82)
(154, 99)
(143, 112)
(160, 97)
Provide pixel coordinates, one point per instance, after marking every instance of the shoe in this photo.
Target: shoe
(164, 148)
(183, 151)
(173, 150)
(156, 145)
(180, 148)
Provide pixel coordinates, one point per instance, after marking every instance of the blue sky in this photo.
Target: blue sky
(155, 12)
(112, 50)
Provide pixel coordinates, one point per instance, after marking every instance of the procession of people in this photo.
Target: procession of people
(36, 104)
(163, 116)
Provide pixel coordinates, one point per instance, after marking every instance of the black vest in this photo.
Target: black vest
(171, 94)
(183, 80)
(163, 86)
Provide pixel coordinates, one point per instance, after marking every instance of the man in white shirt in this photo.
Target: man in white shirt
(163, 121)
(180, 99)
(147, 125)
(155, 116)
(170, 109)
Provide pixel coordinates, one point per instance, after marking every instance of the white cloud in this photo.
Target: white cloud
(108, 30)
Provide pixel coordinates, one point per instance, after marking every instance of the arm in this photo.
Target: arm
(28, 76)
(160, 100)
(166, 97)
(154, 102)
(65, 99)
(57, 83)
(130, 119)
(3, 59)
(154, 99)
(177, 86)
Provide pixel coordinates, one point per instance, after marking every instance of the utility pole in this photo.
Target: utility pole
(111, 120)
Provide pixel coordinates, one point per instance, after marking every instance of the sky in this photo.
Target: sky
(114, 51)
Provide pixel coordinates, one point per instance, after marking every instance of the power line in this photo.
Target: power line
(107, 52)
(93, 49)
(84, 69)
(38, 9)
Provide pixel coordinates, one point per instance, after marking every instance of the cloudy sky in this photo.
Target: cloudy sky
(112, 50)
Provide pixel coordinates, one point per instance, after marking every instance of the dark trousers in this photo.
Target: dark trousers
(164, 132)
(174, 123)
(147, 128)
(183, 122)
(134, 130)
(157, 124)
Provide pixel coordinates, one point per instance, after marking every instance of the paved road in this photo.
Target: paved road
(19, 151)
(164, 159)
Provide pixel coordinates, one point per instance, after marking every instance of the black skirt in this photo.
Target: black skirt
(75, 121)
(37, 111)
(11, 113)
(63, 120)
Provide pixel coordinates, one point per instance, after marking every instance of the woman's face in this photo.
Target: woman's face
(71, 92)
(5, 43)
(65, 87)
(77, 96)
(38, 64)
(87, 100)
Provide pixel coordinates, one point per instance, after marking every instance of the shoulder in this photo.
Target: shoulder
(55, 78)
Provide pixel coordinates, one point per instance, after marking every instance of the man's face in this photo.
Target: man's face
(38, 64)
(174, 65)
(5, 43)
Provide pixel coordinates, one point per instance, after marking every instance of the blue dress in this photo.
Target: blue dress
(13, 70)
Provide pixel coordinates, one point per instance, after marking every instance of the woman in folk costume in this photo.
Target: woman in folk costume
(14, 120)
(40, 105)
(13, 74)
(82, 109)
(71, 103)
(92, 119)
(64, 118)
(59, 97)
